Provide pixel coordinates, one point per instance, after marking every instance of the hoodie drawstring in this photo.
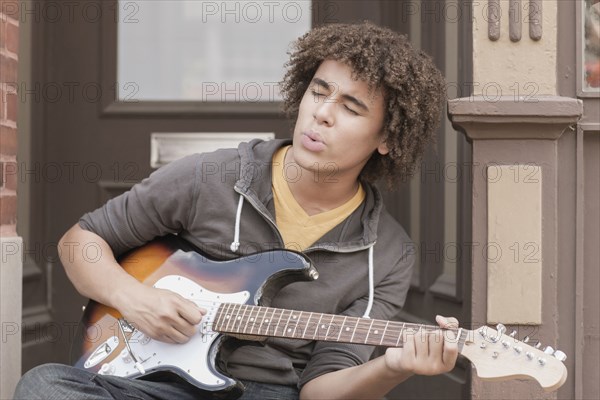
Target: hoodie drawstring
(371, 284)
(235, 245)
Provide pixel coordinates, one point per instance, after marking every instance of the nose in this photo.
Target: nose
(323, 112)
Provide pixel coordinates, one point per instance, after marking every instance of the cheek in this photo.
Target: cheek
(305, 102)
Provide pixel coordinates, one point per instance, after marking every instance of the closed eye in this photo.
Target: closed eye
(351, 110)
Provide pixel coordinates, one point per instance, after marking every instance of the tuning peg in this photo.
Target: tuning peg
(513, 334)
(538, 345)
(526, 340)
(560, 356)
(518, 349)
(541, 361)
(501, 329)
(549, 350)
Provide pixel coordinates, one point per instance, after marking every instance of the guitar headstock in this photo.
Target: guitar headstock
(497, 356)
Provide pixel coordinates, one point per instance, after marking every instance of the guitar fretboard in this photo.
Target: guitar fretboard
(260, 321)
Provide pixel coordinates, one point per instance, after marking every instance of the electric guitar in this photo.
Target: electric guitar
(237, 294)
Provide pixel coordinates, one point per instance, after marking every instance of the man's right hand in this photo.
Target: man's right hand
(159, 313)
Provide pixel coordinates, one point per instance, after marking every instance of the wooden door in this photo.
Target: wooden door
(87, 147)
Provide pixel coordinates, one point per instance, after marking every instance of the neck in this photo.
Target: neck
(321, 190)
(249, 320)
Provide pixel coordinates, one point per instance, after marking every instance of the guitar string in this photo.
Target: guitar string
(393, 332)
(212, 304)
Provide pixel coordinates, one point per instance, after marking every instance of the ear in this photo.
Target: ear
(382, 148)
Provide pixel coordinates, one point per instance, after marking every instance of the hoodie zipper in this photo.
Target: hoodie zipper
(281, 242)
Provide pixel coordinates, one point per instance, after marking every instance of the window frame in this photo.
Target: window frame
(111, 105)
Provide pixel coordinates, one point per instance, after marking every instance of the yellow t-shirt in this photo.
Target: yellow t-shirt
(300, 230)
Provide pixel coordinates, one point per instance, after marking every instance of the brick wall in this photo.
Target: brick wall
(9, 42)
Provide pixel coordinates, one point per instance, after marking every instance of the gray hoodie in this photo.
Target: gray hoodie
(222, 202)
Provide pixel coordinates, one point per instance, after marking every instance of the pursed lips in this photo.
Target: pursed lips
(312, 141)
(314, 136)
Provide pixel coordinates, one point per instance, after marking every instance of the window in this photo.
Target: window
(210, 51)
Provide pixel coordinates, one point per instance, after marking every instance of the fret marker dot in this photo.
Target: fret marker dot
(347, 329)
(293, 316)
(322, 326)
(227, 317)
(289, 329)
(376, 331)
(266, 321)
(239, 318)
(251, 319)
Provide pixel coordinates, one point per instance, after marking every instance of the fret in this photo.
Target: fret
(227, 316)
(306, 326)
(250, 320)
(262, 319)
(329, 327)
(342, 327)
(274, 322)
(222, 312)
(217, 323)
(354, 331)
(384, 331)
(240, 319)
(259, 318)
(400, 335)
(268, 322)
(236, 318)
(369, 331)
(287, 330)
(318, 327)
(348, 332)
(296, 322)
(376, 330)
(324, 328)
(281, 312)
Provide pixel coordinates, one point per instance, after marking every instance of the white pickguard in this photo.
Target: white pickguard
(190, 357)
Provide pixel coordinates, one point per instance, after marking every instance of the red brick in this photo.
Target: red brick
(11, 8)
(8, 209)
(11, 107)
(8, 72)
(3, 24)
(12, 38)
(11, 176)
(2, 102)
(8, 141)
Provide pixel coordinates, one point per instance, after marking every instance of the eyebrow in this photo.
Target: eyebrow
(348, 97)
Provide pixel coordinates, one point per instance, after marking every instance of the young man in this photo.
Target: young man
(365, 106)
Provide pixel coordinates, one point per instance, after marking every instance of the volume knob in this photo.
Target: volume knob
(107, 369)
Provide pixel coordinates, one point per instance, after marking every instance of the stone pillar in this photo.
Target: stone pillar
(11, 264)
(514, 219)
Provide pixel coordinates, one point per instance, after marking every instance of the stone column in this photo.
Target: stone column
(514, 221)
(11, 264)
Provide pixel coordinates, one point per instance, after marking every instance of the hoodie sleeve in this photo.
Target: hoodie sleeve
(390, 295)
(159, 205)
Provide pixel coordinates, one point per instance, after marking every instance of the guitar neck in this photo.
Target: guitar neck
(257, 321)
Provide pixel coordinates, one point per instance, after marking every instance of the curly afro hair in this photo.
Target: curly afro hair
(413, 88)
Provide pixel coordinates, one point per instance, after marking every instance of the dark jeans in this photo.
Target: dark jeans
(63, 382)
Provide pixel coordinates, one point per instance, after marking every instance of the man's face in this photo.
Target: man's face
(339, 125)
